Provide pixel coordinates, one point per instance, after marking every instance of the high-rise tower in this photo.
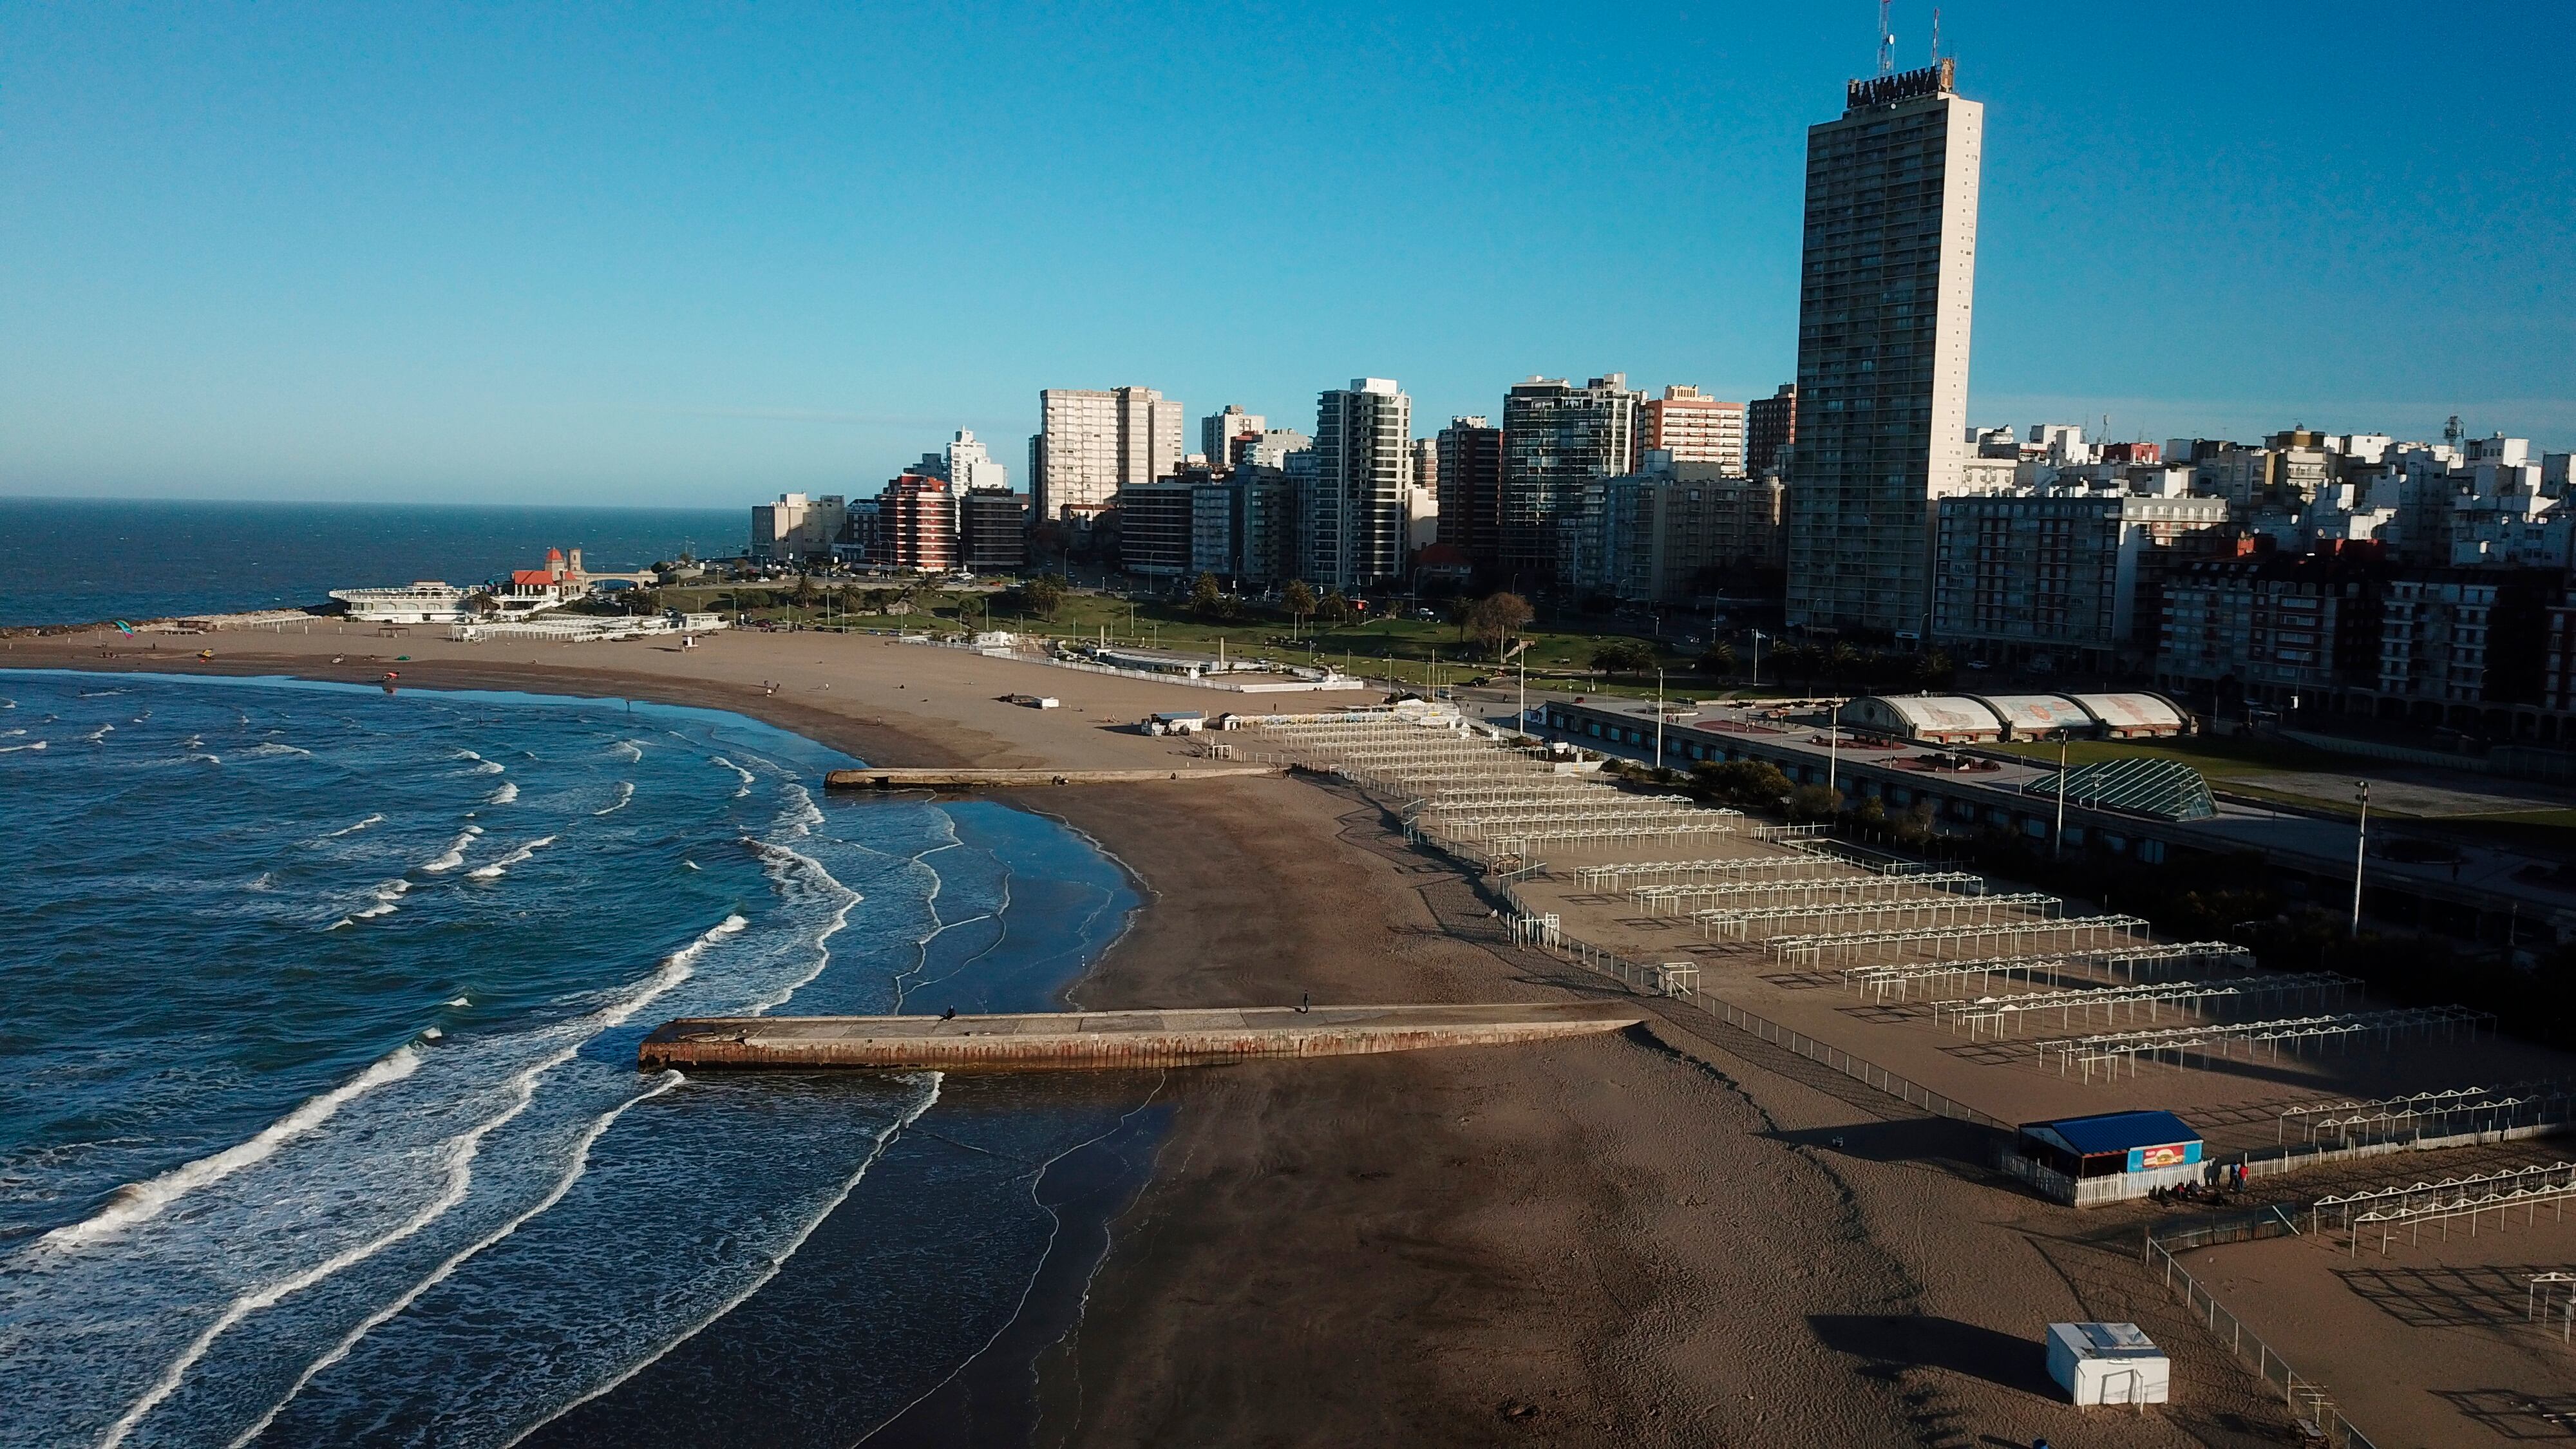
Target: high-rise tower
(1886, 290)
(1557, 438)
(1091, 442)
(1352, 511)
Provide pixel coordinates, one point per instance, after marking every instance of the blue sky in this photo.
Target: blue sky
(700, 254)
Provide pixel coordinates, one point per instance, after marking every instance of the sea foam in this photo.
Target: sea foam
(498, 868)
(457, 1156)
(455, 855)
(142, 1201)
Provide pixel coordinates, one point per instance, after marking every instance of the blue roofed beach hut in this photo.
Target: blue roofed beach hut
(2109, 1157)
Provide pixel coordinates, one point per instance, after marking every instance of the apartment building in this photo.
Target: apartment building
(1557, 440)
(992, 530)
(1471, 480)
(1352, 525)
(917, 524)
(797, 527)
(1093, 442)
(1770, 427)
(1694, 428)
(2077, 577)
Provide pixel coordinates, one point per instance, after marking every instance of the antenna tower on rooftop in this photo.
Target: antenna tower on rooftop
(1886, 41)
(1936, 35)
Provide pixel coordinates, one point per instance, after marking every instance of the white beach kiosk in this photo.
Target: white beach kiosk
(2108, 1363)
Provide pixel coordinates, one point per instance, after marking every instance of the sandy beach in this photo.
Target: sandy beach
(1675, 1236)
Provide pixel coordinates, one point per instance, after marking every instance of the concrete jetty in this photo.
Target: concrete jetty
(1108, 1039)
(969, 779)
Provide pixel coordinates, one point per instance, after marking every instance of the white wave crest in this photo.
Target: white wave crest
(458, 1170)
(482, 766)
(791, 869)
(274, 748)
(142, 1201)
(455, 855)
(746, 776)
(633, 749)
(386, 894)
(508, 792)
(625, 797)
(209, 759)
(99, 736)
(498, 868)
(459, 1001)
(354, 829)
(13, 749)
(802, 814)
(563, 1185)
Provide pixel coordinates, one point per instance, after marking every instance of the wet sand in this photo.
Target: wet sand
(1674, 1236)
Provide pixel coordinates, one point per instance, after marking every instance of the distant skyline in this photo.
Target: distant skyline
(686, 256)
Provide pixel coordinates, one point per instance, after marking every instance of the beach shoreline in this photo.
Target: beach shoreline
(1658, 1237)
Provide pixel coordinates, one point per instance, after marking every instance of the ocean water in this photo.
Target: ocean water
(66, 561)
(323, 1127)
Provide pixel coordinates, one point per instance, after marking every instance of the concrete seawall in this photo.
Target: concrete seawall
(935, 779)
(1110, 1039)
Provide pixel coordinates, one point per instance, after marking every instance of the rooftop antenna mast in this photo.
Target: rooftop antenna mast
(1936, 34)
(1886, 41)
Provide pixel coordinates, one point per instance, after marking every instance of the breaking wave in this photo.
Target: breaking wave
(141, 1202)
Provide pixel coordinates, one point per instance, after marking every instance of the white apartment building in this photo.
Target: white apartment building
(1219, 431)
(1886, 295)
(1352, 515)
(795, 525)
(1091, 442)
(967, 464)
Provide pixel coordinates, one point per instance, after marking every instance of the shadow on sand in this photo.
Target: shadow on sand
(1894, 1342)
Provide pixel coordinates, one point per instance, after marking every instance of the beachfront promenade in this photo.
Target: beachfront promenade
(1038, 1041)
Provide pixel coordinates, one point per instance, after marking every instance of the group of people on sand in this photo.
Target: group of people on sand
(2230, 1178)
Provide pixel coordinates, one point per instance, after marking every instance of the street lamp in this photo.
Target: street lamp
(2057, 843)
(2360, 852)
(1659, 718)
(1833, 742)
(1756, 681)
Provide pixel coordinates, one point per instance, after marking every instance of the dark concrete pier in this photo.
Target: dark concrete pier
(1109, 1039)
